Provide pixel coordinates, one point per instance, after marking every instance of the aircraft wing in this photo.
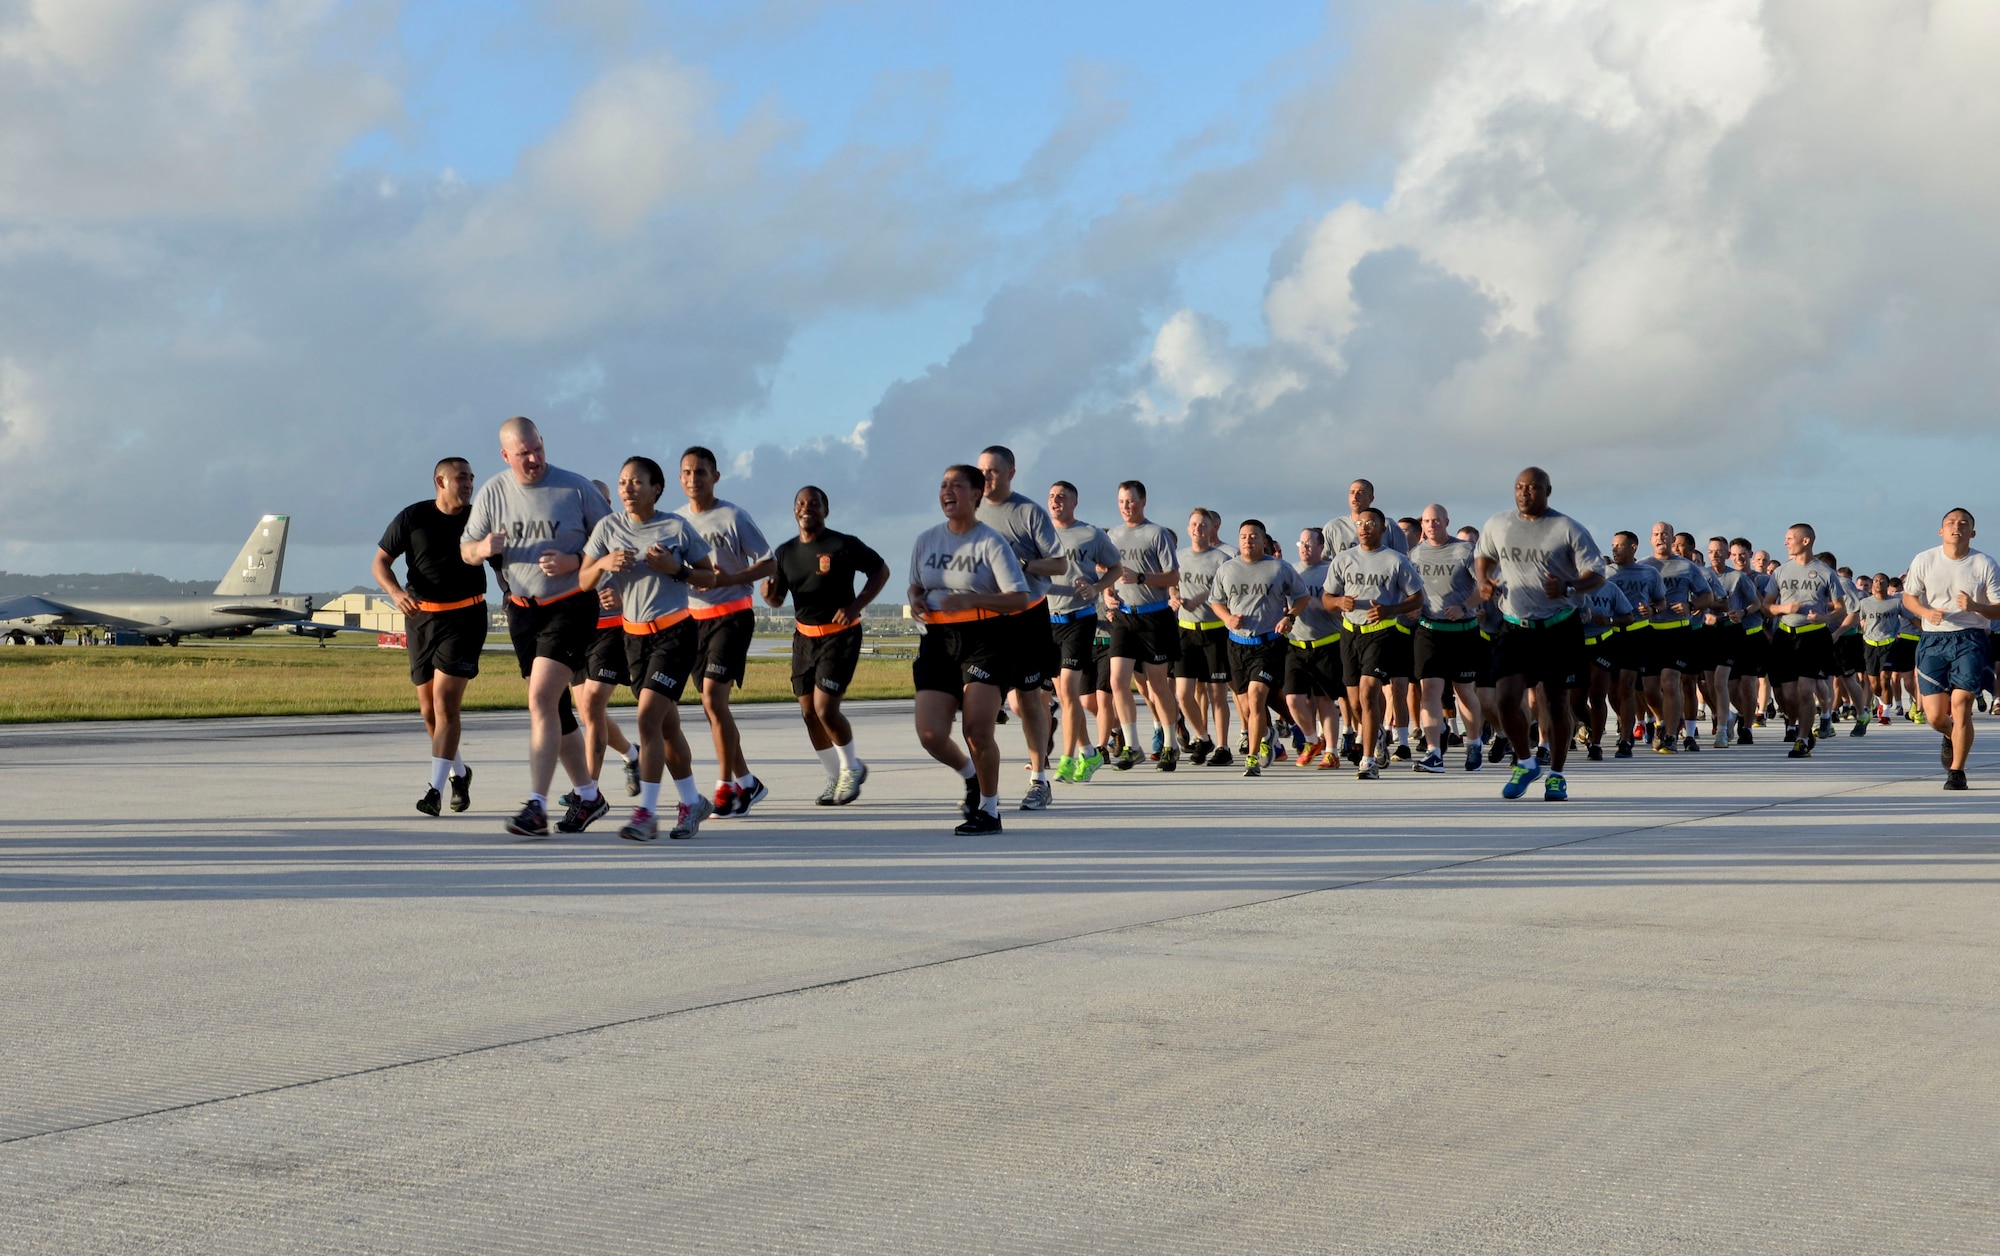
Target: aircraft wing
(276, 614)
(44, 612)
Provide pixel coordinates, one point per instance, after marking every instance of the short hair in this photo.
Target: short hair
(1366, 483)
(974, 478)
(702, 452)
(816, 491)
(1744, 541)
(1412, 520)
(1214, 517)
(1254, 523)
(1848, 572)
(1317, 534)
(649, 469)
(1826, 557)
(1628, 536)
(603, 489)
(1806, 528)
(1685, 536)
(1881, 577)
(1959, 510)
(518, 426)
(1712, 540)
(1001, 452)
(1134, 487)
(1068, 487)
(1468, 528)
(1379, 516)
(453, 461)
(1895, 582)
(1203, 511)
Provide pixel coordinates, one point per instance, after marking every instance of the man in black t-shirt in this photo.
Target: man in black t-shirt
(817, 568)
(443, 602)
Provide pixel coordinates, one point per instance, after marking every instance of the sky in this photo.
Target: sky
(1725, 263)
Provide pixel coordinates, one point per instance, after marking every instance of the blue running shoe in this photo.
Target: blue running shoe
(1474, 759)
(1555, 789)
(1526, 773)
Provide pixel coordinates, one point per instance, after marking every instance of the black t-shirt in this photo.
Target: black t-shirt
(430, 537)
(820, 574)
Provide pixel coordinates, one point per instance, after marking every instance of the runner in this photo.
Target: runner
(725, 621)
(1608, 613)
(536, 518)
(603, 672)
(963, 579)
(1202, 684)
(1371, 585)
(1954, 591)
(1258, 597)
(1090, 558)
(654, 559)
(1532, 559)
(1637, 683)
(443, 604)
(1029, 637)
(1743, 591)
(1882, 620)
(818, 568)
(1144, 632)
(1808, 598)
(1904, 660)
(1449, 652)
(1672, 645)
(1313, 679)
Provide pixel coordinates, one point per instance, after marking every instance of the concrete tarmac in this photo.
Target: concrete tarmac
(1717, 1003)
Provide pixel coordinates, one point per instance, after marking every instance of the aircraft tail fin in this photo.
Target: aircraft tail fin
(262, 562)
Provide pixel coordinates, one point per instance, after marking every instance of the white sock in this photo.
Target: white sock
(1131, 734)
(1402, 734)
(540, 800)
(684, 787)
(846, 756)
(649, 795)
(1042, 775)
(967, 771)
(458, 766)
(829, 759)
(587, 791)
(632, 756)
(440, 769)
(991, 806)
(745, 781)
(1368, 761)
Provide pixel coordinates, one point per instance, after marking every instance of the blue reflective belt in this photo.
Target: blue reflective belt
(1550, 622)
(1262, 639)
(1088, 612)
(1150, 607)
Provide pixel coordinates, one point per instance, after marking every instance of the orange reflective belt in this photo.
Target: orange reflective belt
(609, 621)
(436, 607)
(717, 612)
(958, 617)
(651, 626)
(825, 630)
(543, 601)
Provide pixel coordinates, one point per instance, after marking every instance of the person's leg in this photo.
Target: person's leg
(1598, 702)
(1160, 700)
(982, 702)
(1510, 701)
(816, 730)
(548, 680)
(936, 714)
(1558, 729)
(426, 699)
(1399, 708)
(1374, 695)
(593, 701)
(1433, 712)
(1124, 708)
(1961, 727)
(1257, 714)
(1669, 706)
(1033, 708)
(722, 728)
(1220, 704)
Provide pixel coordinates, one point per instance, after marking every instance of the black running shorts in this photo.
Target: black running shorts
(1668, 650)
(1751, 653)
(1030, 642)
(1903, 656)
(1151, 637)
(1203, 654)
(605, 660)
(1878, 660)
(1073, 645)
(1100, 654)
(1458, 655)
(1313, 671)
(952, 656)
(1385, 654)
(1850, 654)
(1551, 655)
(1801, 656)
(722, 646)
(661, 661)
(1260, 662)
(825, 662)
(446, 641)
(561, 630)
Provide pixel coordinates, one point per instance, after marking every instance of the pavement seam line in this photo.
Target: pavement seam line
(837, 982)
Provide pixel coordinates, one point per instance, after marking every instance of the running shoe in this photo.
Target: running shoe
(644, 826)
(1690, 743)
(1944, 752)
(825, 798)
(432, 803)
(1524, 775)
(725, 800)
(687, 820)
(1159, 743)
(1791, 732)
(1170, 758)
(1555, 789)
(1198, 753)
(1882, 717)
(1743, 737)
(570, 799)
(970, 806)
(461, 790)
(1825, 727)
(1582, 735)
(1917, 716)
(848, 787)
(1298, 736)
(1126, 759)
(581, 815)
(1420, 743)
(1350, 748)
(1086, 767)
(1722, 741)
(1759, 722)
(1313, 750)
(1328, 761)
(1432, 762)
(1402, 752)
(1498, 749)
(979, 823)
(1251, 767)
(1475, 756)
(1801, 749)
(1955, 779)
(1243, 742)
(1221, 758)
(1001, 716)
(1665, 747)
(1594, 752)
(1038, 797)
(632, 777)
(1368, 771)
(1624, 750)
(747, 797)
(532, 821)
(1860, 729)
(1064, 766)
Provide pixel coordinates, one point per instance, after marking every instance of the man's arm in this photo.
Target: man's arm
(385, 576)
(877, 581)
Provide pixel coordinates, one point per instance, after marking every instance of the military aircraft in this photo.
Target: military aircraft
(245, 600)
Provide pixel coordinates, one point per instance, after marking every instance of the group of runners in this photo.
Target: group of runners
(1388, 641)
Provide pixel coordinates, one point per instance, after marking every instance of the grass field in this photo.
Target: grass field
(48, 683)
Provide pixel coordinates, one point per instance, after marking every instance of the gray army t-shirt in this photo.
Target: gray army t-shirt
(1089, 552)
(1028, 530)
(1198, 570)
(1372, 577)
(554, 515)
(1261, 592)
(1528, 551)
(644, 594)
(1147, 548)
(1449, 582)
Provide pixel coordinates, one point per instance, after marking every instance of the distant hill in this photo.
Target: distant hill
(108, 584)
